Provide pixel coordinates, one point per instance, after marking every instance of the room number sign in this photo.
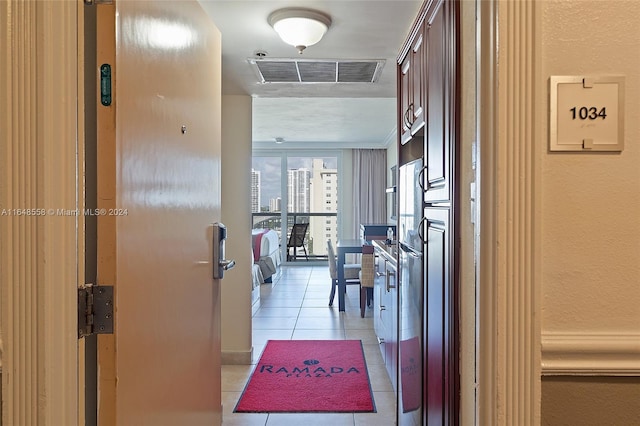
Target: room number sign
(586, 113)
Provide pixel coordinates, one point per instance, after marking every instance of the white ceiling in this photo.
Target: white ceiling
(318, 115)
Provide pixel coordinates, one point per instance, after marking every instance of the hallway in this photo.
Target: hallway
(295, 306)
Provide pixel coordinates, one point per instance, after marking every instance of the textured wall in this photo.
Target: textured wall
(590, 401)
(236, 215)
(590, 219)
(591, 201)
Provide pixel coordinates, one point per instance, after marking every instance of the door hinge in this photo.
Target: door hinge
(95, 310)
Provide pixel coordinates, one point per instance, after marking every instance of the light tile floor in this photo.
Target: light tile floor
(296, 306)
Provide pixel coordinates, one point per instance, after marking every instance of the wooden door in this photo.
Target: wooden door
(158, 194)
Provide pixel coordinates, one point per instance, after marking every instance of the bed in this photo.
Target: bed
(257, 279)
(266, 253)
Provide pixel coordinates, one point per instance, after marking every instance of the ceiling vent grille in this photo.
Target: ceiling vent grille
(316, 70)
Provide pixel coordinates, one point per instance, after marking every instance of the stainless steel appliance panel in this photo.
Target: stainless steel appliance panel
(410, 337)
(410, 294)
(410, 204)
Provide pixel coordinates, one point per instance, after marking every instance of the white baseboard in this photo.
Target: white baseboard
(591, 354)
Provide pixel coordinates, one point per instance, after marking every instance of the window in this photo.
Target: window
(266, 196)
(296, 188)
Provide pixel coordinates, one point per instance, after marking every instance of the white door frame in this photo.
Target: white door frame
(41, 250)
(511, 143)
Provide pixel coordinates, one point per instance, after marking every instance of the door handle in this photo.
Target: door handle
(220, 264)
(227, 264)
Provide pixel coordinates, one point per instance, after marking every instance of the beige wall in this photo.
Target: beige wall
(467, 213)
(591, 201)
(236, 215)
(590, 227)
(590, 401)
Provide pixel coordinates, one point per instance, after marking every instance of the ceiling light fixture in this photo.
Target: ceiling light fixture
(300, 27)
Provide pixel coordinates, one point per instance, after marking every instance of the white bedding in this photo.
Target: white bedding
(267, 255)
(256, 276)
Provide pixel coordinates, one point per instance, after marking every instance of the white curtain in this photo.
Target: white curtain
(370, 182)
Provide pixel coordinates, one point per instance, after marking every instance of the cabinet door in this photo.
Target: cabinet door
(416, 106)
(440, 320)
(438, 145)
(391, 341)
(379, 304)
(385, 317)
(411, 90)
(405, 92)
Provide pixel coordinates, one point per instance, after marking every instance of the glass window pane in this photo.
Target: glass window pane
(266, 197)
(312, 185)
(311, 198)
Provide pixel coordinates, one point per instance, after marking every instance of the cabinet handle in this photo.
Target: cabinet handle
(380, 274)
(421, 177)
(408, 113)
(389, 285)
(420, 233)
(380, 340)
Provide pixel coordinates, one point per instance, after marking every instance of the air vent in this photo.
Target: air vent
(316, 70)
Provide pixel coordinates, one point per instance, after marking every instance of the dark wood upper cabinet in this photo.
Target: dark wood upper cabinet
(411, 89)
(426, 103)
(438, 144)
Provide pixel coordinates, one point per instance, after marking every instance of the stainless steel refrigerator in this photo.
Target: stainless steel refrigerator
(410, 295)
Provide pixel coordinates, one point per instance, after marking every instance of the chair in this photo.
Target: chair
(296, 239)
(351, 272)
(367, 274)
